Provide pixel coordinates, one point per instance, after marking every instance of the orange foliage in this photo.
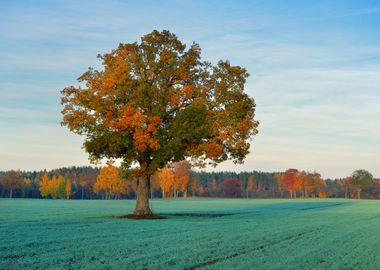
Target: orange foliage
(181, 176)
(323, 193)
(110, 182)
(201, 190)
(166, 180)
(292, 181)
(57, 187)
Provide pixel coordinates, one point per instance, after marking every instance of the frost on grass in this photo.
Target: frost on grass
(196, 234)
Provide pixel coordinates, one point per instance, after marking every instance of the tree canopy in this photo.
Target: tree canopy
(156, 102)
(361, 179)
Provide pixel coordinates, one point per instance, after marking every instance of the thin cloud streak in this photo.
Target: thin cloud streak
(314, 75)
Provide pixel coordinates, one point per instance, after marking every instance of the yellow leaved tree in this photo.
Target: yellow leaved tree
(109, 182)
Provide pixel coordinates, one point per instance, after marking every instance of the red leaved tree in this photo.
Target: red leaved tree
(232, 187)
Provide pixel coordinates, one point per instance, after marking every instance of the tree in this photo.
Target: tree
(166, 180)
(61, 193)
(67, 188)
(57, 187)
(26, 185)
(232, 187)
(154, 185)
(44, 185)
(194, 184)
(118, 187)
(181, 177)
(346, 184)
(87, 181)
(11, 181)
(54, 187)
(306, 183)
(317, 185)
(292, 182)
(279, 178)
(155, 102)
(311, 183)
(323, 193)
(251, 184)
(213, 187)
(201, 190)
(361, 179)
(109, 181)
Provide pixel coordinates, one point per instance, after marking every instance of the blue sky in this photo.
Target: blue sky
(314, 65)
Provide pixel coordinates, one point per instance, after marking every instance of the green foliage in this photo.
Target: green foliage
(155, 102)
(361, 179)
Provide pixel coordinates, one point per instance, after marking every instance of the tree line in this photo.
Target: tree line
(179, 180)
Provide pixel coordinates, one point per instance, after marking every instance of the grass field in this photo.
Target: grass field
(258, 234)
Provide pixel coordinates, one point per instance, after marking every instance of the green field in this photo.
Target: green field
(257, 234)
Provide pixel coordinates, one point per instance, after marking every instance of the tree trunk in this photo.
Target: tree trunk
(82, 193)
(10, 193)
(291, 194)
(185, 194)
(142, 198)
(359, 191)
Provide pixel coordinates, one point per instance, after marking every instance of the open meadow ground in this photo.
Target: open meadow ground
(257, 234)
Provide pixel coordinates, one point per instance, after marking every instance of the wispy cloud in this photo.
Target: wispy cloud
(315, 74)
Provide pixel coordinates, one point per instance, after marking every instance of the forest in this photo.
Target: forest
(180, 180)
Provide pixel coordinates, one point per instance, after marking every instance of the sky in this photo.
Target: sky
(314, 65)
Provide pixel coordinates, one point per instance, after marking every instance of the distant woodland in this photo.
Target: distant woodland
(180, 180)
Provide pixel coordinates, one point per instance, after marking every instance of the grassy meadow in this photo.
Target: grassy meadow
(216, 234)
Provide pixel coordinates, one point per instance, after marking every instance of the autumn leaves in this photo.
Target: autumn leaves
(171, 180)
(156, 102)
(110, 182)
(174, 179)
(55, 187)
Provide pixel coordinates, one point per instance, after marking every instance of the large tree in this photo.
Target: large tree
(156, 102)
